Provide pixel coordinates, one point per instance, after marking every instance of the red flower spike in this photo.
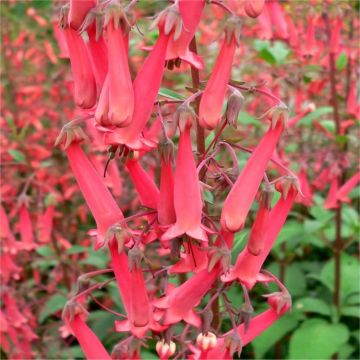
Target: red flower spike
(145, 186)
(258, 231)
(344, 191)
(98, 198)
(190, 12)
(187, 196)
(212, 99)
(78, 11)
(121, 93)
(179, 302)
(84, 80)
(165, 207)
(242, 194)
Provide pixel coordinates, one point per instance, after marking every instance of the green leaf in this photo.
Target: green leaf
(353, 311)
(273, 334)
(317, 339)
(273, 53)
(54, 304)
(208, 196)
(341, 61)
(329, 125)
(246, 119)
(345, 351)
(238, 243)
(349, 282)
(76, 249)
(45, 251)
(170, 94)
(313, 305)
(148, 355)
(17, 155)
(308, 119)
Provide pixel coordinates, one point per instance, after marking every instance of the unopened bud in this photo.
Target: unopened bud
(206, 341)
(254, 8)
(165, 349)
(234, 105)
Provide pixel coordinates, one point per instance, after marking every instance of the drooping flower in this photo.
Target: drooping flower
(78, 11)
(190, 12)
(310, 42)
(345, 189)
(84, 80)
(254, 8)
(102, 108)
(165, 206)
(242, 194)
(26, 229)
(212, 99)
(331, 201)
(258, 231)
(97, 196)
(278, 18)
(121, 92)
(146, 86)
(187, 196)
(144, 185)
(248, 266)
(179, 302)
(74, 316)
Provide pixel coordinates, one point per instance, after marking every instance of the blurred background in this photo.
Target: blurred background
(311, 62)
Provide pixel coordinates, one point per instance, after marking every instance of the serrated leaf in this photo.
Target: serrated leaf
(317, 339)
(17, 155)
(54, 304)
(170, 94)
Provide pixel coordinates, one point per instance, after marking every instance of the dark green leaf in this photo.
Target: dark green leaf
(53, 305)
(17, 155)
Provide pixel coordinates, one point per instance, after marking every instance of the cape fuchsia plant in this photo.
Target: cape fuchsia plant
(175, 232)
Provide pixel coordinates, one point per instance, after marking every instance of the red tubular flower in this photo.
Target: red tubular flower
(102, 108)
(98, 55)
(258, 231)
(242, 194)
(265, 29)
(89, 342)
(213, 96)
(248, 266)
(310, 43)
(78, 11)
(278, 19)
(335, 36)
(45, 224)
(121, 93)
(254, 8)
(84, 80)
(98, 198)
(187, 196)
(331, 201)
(9, 244)
(190, 12)
(165, 207)
(307, 199)
(352, 106)
(26, 229)
(344, 191)
(179, 302)
(145, 186)
(146, 86)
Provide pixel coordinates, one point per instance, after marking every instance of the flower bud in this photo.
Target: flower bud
(254, 8)
(234, 105)
(206, 341)
(165, 349)
(245, 314)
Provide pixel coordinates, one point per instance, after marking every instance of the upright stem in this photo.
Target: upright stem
(200, 145)
(338, 211)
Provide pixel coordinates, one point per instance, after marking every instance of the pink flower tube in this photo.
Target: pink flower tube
(242, 194)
